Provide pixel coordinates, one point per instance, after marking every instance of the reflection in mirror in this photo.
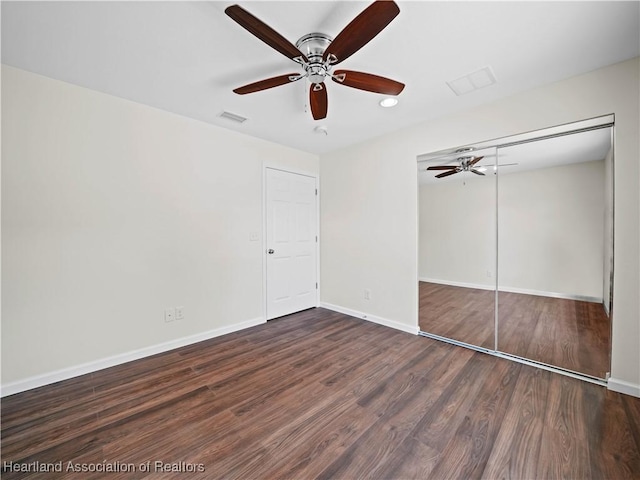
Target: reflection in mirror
(555, 210)
(457, 253)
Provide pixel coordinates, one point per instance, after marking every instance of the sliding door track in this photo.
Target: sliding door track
(515, 358)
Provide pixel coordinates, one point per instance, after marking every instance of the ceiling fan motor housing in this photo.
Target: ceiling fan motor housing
(313, 46)
(464, 162)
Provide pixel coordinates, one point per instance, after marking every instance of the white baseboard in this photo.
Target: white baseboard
(67, 373)
(371, 318)
(540, 293)
(622, 386)
(457, 284)
(525, 291)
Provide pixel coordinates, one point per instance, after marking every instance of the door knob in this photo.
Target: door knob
(270, 251)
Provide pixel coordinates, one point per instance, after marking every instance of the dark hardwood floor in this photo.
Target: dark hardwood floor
(463, 314)
(322, 395)
(570, 334)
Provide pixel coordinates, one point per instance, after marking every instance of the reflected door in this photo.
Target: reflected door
(555, 250)
(457, 247)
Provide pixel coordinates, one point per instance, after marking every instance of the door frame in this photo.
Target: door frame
(315, 176)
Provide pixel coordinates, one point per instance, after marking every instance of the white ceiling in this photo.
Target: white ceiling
(186, 57)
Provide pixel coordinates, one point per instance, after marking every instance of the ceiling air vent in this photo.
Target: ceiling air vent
(472, 81)
(233, 117)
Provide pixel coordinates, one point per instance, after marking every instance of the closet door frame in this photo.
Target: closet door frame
(604, 121)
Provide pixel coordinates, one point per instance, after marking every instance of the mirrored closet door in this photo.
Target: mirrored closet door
(516, 246)
(555, 209)
(457, 232)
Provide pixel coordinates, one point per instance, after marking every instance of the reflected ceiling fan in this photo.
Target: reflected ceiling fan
(318, 54)
(465, 164)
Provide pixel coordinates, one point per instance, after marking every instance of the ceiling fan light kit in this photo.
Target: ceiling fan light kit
(317, 54)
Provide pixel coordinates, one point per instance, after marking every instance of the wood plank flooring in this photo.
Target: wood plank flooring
(570, 334)
(322, 395)
(463, 314)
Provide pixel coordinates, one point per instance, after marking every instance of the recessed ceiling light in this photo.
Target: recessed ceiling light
(388, 102)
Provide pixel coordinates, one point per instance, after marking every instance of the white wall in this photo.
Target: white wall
(113, 211)
(369, 218)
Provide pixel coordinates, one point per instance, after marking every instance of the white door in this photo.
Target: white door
(291, 242)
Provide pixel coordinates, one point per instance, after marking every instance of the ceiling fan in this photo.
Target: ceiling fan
(318, 54)
(467, 164)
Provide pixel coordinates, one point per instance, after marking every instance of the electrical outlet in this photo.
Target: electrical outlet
(254, 237)
(489, 274)
(367, 294)
(179, 313)
(169, 314)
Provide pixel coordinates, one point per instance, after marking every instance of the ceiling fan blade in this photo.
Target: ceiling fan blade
(477, 172)
(474, 161)
(368, 82)
(446, 174)
(361, 30)
(264, 32)
(267, 83)
(443, 167)
(318, 100)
